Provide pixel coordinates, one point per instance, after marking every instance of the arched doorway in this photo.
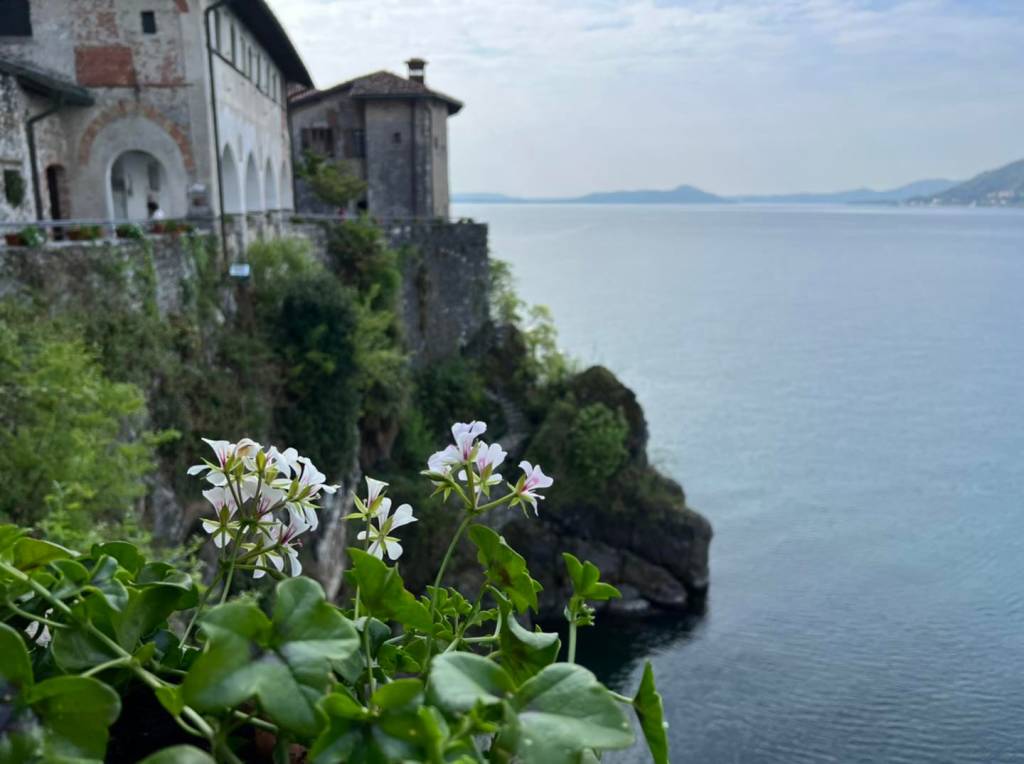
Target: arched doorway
(270, 184)
(232, 186)
(253, 196)
(287, 202)
(136, 179)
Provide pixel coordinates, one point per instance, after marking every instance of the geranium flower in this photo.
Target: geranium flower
(465, 435)
(222, 528)
(488, 458)
(225, 452)
(378, 532)
(526, 489)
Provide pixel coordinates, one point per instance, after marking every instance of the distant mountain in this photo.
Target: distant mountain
(1003, 187)
(679, 195)
(857, 196)
(692, 195)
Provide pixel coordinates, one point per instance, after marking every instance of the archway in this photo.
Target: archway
(253, 197)
(270, 184)
(136, 179)
(232, 185)
(286, 188)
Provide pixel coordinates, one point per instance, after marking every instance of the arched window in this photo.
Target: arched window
(253, 196)
(270, 184)
(232, 185)
(137, 180)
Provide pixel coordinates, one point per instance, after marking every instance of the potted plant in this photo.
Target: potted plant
(85, 233)
(31, 236)
(130, 231)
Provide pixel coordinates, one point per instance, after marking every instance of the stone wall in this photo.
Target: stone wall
(446, 271)
(70, 273)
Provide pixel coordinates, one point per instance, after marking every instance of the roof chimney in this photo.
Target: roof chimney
(417, 69)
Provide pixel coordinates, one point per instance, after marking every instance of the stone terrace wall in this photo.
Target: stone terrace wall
(67, 273)
(446, 272)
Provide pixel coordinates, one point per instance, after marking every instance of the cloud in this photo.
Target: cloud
(740, 95)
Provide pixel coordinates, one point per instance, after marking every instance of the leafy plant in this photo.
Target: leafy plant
(32, 236)
(14, 188)
(73, 452)
(130, 231)
(390, 678)
(333, 183)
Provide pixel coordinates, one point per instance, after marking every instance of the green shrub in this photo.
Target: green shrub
(333, 183)
(597, 442)
(72, 449)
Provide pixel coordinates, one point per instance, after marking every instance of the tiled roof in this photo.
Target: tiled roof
(381, 84)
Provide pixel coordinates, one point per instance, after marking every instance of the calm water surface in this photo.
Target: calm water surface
(841, 391)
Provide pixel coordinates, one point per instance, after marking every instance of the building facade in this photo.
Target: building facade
(109, 106)
(392, 132)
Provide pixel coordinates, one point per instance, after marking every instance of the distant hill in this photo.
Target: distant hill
(679, 195)
(692, 195)
(859, 195)
(1003, 187)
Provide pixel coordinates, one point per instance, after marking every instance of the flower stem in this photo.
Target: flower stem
(369, 656)
(440, 577)
(199, 608)
(572, 641)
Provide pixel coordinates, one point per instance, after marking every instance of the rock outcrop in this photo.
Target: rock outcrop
(635, 526)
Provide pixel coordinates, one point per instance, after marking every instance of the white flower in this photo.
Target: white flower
(225, 452)
(488, 458)
(378, 535)
(222, 528)
(374, 489)
(465, 435)
(285, 462)
(286, 537)
(526, 489)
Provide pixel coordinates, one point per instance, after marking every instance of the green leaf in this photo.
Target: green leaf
(103, 580)
(285, 663)
(459, 681)
(651, 713)
(179, 754)
(382, 592)
(9, 534)
(396, 694)
(524, 652)
(127, 555)
(586, 583)
(31, 553)
(76, 712)
(15, 666)
(563, 711)
(505, 568)
(170, 698)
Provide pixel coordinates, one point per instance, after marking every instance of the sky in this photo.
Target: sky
(734, 96)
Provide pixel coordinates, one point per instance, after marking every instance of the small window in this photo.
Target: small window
(234, 46)
(148, 22)
(319, 140)
(15, 19)
(357, 143)
(396, 138)
(248, 71)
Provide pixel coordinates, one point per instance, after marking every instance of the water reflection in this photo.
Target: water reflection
(618, 644)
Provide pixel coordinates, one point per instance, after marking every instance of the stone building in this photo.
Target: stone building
(107, 105)
(393, 133)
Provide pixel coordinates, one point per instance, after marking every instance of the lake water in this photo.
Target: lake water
(841, 391)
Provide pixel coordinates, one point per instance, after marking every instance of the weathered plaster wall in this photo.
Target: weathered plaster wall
(389, 133)
(14, 148)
